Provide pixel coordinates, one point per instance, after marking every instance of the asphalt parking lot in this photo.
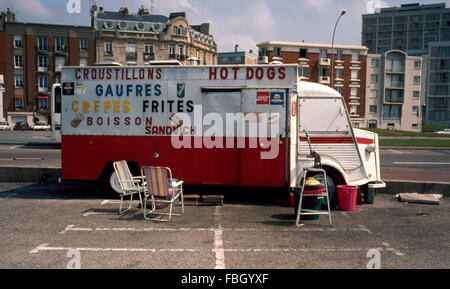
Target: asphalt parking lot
(51, 225)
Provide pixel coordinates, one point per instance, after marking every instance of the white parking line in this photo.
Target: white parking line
(93, 213)
(359, 228)
(45, 247)
(218, 240)
(393, 250)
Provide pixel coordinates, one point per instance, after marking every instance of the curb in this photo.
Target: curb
(413, 148)
(404, 186)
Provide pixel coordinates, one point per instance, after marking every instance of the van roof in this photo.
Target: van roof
(311, 89)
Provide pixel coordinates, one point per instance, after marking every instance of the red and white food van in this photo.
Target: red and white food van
(215, 125)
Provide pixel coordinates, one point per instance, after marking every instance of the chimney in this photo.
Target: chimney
(236, 48)
(177, 14)
(204, 28)
(143, 11)
(123, 10)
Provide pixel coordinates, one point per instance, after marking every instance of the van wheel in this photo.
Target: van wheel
(333, 181)
(114, 183)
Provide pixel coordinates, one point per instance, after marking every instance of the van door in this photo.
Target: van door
(218, 159)
(264, 164)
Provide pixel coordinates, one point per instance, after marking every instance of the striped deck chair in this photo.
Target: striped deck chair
(129, 185)
(160, 187)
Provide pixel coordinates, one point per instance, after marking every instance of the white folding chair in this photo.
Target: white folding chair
(129, 184)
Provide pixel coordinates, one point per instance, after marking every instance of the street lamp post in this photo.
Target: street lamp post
(332, 49)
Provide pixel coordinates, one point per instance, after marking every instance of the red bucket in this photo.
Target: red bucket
(347, 197)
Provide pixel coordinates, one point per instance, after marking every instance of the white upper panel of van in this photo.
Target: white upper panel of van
(311, 89)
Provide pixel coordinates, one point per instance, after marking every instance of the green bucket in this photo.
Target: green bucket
(309, 203)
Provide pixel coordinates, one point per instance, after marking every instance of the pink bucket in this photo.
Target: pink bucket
(347, 197)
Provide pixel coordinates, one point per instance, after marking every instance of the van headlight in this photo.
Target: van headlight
(371, 148)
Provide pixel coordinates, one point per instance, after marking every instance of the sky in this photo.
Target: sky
(242, 22)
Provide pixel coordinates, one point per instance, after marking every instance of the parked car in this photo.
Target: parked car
(445, 131)
(4, 125)
(41, 125)
(22, 126)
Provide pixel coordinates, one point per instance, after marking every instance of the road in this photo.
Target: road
(425, 165)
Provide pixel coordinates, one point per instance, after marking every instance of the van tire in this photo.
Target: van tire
(334, 179)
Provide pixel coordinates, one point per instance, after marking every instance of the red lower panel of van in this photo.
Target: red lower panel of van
(84, 157)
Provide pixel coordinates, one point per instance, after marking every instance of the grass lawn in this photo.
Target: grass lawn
(401, 133)
(414, 143)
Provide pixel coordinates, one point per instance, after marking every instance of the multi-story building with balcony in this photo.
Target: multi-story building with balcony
(394, 84)
(438, 84)
(31, 57)
(345, 72)
(410, 28)
(143, 38)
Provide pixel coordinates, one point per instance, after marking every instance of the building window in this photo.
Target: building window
(18, 102)
(417, 64)
(339, 73)
(374, 63)
(338, 54)
(59, 44)
(303, 53)
(43, 81)
(18, 80)
(109, 48)
(355, 74)
(355, 55)
(18, 61)
(148, 48)
(416, 94)
(415, 110)
(42, 61)
(416, 79)
(353, 91)
(18, 41)
(83, 44)
(339, 89)
(374, 78)
(440, 116)
(42, 43)
(373, 123)
(42, 103)
(373, 94)
(322, 72)
(172, 51)
(354, 109)
(373, 109)
(131, 51)
(303, 71)
(277, 52)
(392, 111)
(323, 53)
(181, 53)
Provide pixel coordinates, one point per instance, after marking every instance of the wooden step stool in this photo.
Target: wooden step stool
(192, 199)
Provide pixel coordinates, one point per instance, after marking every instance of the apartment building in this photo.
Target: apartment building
(139, 39)
(342, 67)
(438, 84)
(31, 57)
(410, 28)
(394, 84)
